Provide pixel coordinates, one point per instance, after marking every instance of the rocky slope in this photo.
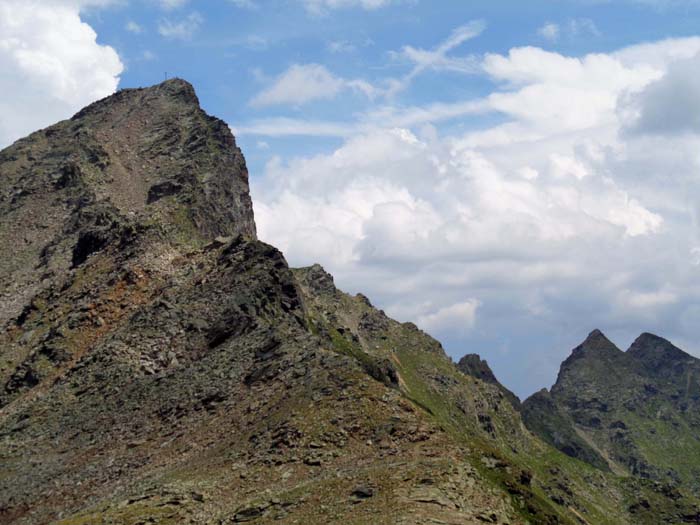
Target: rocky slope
(473, 365)
(634, 412)
(158, 364)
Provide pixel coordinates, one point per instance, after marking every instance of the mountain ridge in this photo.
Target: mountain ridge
(634, 407)
(160, 364)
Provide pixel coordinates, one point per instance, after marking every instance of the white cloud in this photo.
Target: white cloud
(556, 217)
(668, 105)
(549, 31)
(572, 28)
(302, 83)
(341, 46)
(51, 64)
(256, 42)
(657, 56)
(183, 29)
(437, 58)
(646, 300)
(558, 92)
(133, 27)
(81, 5)
(318, 7)
(281, 126)
(172, 4)
(583, 27)
(459, 316)
(245, 4)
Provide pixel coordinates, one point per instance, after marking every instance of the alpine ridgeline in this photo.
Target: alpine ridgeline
(634, 413)
(159, 364)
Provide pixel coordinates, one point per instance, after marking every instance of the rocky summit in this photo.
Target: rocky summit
(159, 364)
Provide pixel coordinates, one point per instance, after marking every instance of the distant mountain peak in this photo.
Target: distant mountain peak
(473, 365)
(588, 363)
(616, 408)
(655, 351)
(596, 345)
(597, 338)
(650, 341)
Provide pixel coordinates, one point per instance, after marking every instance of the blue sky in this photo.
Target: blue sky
(508, 175)
(234, 47)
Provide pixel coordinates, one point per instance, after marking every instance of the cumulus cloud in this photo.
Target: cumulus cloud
(555, 220)
(302, 83)
(459, 316)
(669, 105)
(51, 64)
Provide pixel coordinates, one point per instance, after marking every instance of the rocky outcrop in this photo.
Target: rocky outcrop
(473, 365)
(142, 159)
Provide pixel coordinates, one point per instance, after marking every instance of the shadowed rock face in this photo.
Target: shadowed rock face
(473, 365)
(657, 357)
(159, 364)
(543, 416)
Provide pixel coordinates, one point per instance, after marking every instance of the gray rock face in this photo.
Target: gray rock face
(142, 159)
(473, 365)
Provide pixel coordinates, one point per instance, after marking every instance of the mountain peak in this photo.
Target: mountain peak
(153, 153)
(655, 351)
(172, 90)
(317, 278)
(587, 361)
(141, 160)
(595, 336)
(177, 87)
(596, 344)
(473, 365)
(647, 339)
